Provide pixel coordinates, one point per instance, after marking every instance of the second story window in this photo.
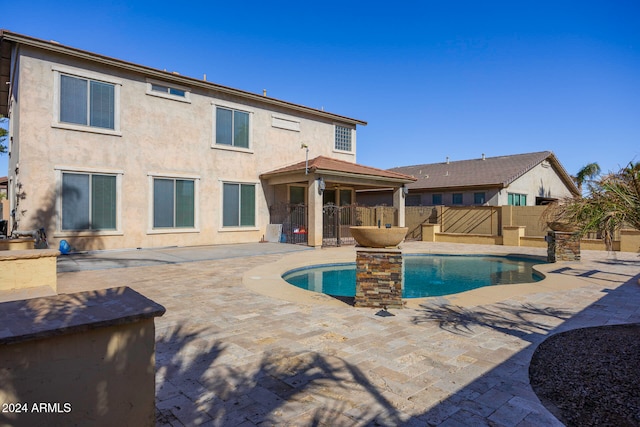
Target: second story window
(232, 127)
(343, 138)
(87, 102)
(168, 90)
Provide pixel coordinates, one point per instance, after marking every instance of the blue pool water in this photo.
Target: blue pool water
(424, 275)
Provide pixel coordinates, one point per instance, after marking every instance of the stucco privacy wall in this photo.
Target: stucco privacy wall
(157, 136)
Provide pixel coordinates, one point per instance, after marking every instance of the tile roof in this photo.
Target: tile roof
(329, 165)
(488, 172)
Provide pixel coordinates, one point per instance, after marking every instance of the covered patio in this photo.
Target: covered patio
(322, 182)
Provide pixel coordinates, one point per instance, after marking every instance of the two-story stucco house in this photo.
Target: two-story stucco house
(107, 154)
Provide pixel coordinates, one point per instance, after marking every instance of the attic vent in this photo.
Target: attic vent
(545, 164)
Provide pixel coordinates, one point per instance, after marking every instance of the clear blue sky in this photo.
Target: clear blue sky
(432, 79)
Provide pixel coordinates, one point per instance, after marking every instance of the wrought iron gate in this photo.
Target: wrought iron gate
(293, 218)
(336, 221)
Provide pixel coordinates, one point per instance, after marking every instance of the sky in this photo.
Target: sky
(433, 79)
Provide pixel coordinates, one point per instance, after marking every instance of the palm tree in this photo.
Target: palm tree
(613, 202)
(587, 174)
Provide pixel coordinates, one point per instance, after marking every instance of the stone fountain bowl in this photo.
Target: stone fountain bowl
(374, 237)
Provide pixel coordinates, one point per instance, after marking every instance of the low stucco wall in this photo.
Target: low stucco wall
(514, 236)
(630, 241)
(28, 269)
(16, 244)
(533, 242)
(79, 359)
(474, 239)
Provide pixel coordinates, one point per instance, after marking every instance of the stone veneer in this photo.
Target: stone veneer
(562, 246)
(378, 278)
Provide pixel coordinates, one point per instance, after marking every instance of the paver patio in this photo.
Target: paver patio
(229, 356)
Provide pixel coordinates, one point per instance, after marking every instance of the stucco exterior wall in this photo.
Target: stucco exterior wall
(541, 181)
(158, 137)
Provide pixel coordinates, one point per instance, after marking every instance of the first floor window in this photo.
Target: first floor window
(238, 205)
(173, 203)
(479, 198)
(515, 199)
(296, 195)
(456, 198)
(87, 102)
(88, 201)
(413, 200)
(436, 199)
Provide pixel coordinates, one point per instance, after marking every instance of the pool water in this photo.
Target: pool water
(424, 275)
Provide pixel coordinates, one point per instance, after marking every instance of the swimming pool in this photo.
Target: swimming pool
(424, 275)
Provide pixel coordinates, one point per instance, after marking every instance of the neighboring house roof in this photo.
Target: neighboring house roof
(5, 57)
(484, 172)
(330, 166)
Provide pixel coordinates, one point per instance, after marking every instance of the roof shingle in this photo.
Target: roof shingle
(486, 172)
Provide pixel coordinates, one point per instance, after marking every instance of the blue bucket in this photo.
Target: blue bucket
(64, 247)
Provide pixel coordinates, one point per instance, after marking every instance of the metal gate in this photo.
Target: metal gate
(336, 221)
(293, 218)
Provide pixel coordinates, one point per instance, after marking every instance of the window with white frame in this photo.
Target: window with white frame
(232, 127)
(343, 138)
(166, 90)
(174, 203)
(515, 199)
(238, 205)
(87, 102)
(89, 201)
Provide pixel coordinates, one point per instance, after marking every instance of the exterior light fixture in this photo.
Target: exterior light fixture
(321, 185)
(405, 190)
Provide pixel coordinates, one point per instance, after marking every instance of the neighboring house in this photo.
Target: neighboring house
(519, 180)
(110, 154)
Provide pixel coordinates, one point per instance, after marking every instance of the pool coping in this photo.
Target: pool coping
(267, 279)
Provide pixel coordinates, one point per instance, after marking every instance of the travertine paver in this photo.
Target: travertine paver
(228, 356)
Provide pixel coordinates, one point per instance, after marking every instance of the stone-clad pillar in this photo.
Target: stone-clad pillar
(563, 246)
(379, 278)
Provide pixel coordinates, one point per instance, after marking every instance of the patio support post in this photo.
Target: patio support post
(315, 213)
(398, 203)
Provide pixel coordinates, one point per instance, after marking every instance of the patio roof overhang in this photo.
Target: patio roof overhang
(335, 173)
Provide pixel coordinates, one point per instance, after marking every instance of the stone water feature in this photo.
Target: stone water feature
(379, 268)
(563, 243)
